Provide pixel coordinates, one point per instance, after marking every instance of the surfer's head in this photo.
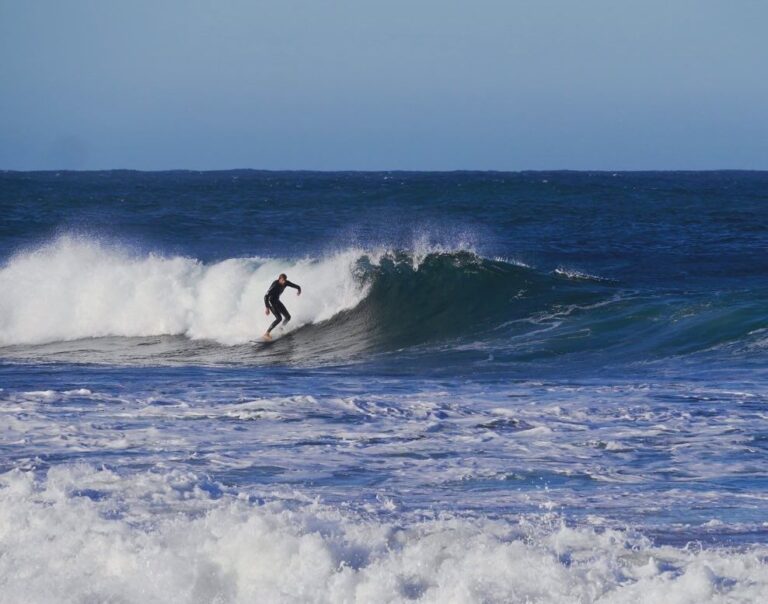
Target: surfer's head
(282, 278)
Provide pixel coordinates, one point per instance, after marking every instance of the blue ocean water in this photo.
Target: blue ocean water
(513, 387)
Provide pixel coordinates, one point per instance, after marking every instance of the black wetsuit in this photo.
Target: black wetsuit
(272, 302)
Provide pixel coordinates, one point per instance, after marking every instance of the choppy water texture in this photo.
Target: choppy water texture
(535, 387)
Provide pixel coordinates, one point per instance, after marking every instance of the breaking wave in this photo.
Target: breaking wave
(355, 301)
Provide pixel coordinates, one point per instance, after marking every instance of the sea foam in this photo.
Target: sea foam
(78, 288)
(85, 534)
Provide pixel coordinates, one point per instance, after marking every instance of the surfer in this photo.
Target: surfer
(273, 304)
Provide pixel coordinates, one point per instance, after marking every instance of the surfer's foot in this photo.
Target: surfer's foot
(267, 336)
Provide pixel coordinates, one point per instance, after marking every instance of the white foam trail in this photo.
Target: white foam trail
(79, 288)
(580, 275)
(86, 535)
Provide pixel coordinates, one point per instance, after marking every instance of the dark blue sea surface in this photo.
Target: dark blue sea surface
(565, 368)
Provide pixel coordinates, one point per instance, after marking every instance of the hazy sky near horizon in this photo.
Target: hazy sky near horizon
(415, 85)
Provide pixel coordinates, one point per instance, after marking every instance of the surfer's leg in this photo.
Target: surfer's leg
(283, 311)
(275, 308)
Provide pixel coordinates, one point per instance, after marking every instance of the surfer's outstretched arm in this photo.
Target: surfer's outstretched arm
(294, 286)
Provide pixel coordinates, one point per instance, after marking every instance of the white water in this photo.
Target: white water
(78, 288)
(87, 535)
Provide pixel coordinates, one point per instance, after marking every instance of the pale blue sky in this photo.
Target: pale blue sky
(416, 85)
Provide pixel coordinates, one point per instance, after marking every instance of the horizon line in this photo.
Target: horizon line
(389, 171)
